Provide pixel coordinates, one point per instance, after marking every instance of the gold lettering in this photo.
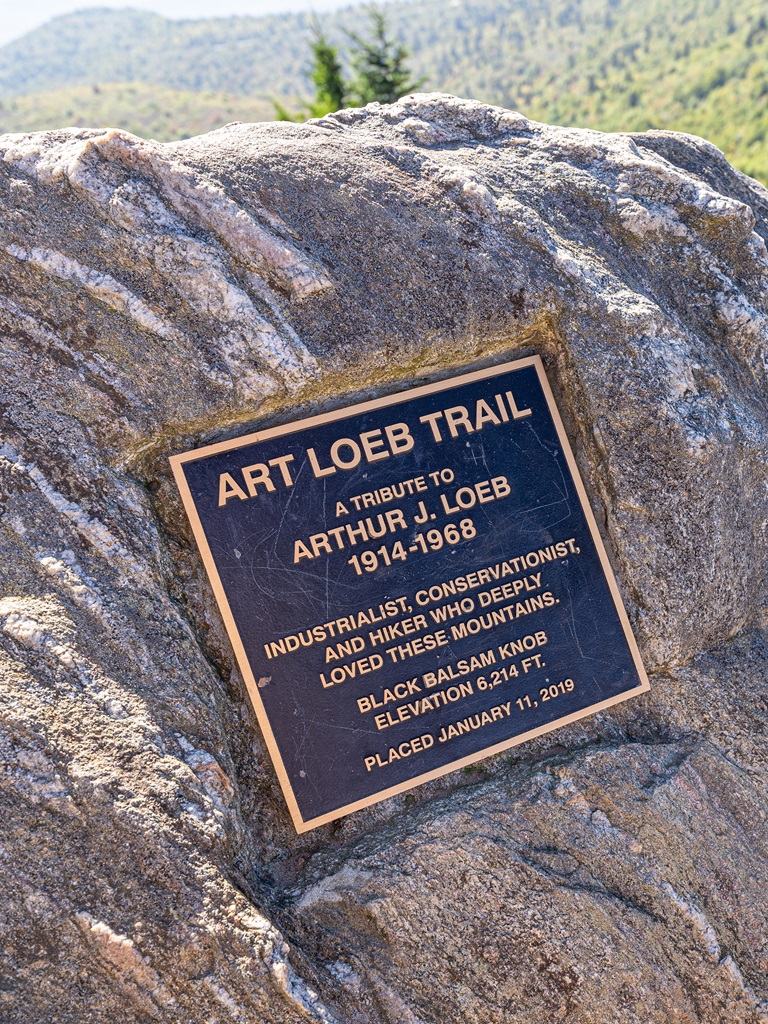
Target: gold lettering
(229, 489)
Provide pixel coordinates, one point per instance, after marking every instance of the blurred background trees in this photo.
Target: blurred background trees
(379, 72)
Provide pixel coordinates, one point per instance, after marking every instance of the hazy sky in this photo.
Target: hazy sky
(17, 18)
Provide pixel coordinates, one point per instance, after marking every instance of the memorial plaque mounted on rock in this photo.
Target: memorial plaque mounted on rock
(410, 584)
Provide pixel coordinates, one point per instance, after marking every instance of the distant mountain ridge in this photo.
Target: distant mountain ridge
(102, 45)
(695, 65)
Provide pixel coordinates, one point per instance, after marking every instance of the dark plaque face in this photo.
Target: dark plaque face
(410, 584)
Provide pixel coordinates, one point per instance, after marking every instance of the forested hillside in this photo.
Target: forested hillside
(695, 65)
(139, 107)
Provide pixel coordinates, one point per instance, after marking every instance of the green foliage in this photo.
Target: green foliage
(699, 66)
(380, 72)
(327, 76)
(283, 114)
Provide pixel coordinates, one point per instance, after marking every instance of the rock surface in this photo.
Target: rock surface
(154, 298)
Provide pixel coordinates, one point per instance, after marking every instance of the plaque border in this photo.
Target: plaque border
(178, 461)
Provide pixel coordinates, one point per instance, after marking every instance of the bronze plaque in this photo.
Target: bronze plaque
(410, 584)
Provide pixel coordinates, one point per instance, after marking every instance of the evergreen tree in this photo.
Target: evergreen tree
(327, 76)
(379, 65)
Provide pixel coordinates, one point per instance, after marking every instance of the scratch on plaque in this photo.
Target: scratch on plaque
(572, 617)
(291, 493)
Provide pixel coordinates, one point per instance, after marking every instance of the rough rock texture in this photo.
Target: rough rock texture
(159, 297)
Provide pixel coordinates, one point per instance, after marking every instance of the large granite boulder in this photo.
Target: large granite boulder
(159, 297)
